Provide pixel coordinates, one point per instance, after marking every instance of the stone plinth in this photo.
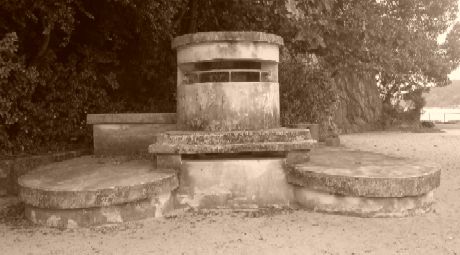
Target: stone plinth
(90, 191)
(128, 133)
(227, 81)
(340, 180)
(233, 169)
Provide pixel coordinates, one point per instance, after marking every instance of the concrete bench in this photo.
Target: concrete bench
(128, 133)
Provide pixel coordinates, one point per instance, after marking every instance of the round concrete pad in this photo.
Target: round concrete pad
(94, 182)
(356, 173)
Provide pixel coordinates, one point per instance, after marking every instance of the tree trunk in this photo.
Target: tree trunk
(194, 16)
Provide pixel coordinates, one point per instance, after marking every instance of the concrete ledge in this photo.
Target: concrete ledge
(233, 137)
(231, 148)
(145, 118)
(363, 206)
(94, 182)
(347, 172)
(74, 218)
(232, 36)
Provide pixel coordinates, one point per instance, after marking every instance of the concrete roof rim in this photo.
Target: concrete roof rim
(220, 36)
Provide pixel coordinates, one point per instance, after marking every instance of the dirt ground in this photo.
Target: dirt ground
(281, 232)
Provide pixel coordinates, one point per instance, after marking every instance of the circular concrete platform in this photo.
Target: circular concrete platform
(87, 182)
(365, 184)
(347, 172)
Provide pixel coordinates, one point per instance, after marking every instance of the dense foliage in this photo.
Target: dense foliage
(62, 59)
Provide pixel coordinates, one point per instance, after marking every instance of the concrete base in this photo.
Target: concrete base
(364, 206)
(365, 184)
(86, 217)
(235, 183)
(90, 191)
(348, 172)
(94, 182)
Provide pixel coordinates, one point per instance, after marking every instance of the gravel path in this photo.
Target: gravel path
(285, 232)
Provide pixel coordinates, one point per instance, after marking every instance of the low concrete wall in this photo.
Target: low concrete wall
(128, 133)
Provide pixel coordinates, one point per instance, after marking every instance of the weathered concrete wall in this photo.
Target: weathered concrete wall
(127, 134)
(250, 182)
(360, 106)
(228, 106)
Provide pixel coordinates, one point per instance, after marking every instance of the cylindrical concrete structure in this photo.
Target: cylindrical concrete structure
(227, 81)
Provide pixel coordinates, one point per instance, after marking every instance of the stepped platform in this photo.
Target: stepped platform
(233, 169)
(90, 191)
(344, 181)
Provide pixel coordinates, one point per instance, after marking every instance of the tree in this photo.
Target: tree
(395, 40)
(63, 59)
(85, 56)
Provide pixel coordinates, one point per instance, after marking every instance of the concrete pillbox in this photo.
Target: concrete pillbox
(227, 81)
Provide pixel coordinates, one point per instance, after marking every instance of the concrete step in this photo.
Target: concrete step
(90, 191)
(340, 180)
